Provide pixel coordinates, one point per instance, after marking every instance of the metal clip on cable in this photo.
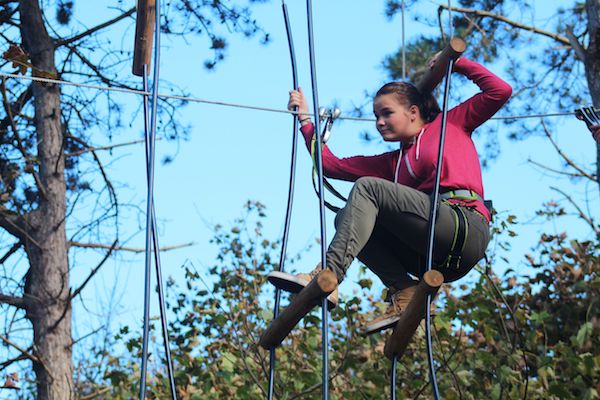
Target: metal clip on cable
(331, 116)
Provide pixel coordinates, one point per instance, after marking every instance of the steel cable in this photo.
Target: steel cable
(290, 199)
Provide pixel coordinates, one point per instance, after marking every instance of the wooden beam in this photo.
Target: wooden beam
(144, 30)
(412, 316)
(311, 296)
(434, 75)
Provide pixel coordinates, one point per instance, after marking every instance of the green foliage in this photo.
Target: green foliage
(503, 338)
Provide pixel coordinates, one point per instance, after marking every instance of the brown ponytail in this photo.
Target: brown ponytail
(408, 95)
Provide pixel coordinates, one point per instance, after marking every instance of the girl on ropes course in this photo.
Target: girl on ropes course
(384, 222)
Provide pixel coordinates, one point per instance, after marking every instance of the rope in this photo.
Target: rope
(324, 309)
(431, 228)
(403, 46)
(238, 105)
(288, 213)
(151, 231)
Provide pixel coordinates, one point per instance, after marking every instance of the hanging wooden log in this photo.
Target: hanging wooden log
(412, 316)
(308, 298)
(434, 75)
(144, 31)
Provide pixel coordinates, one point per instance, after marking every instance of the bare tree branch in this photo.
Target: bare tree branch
(17, 347)
(122, 248)
(110, 147)
(564, 156)
(18, 302)
(94, 270)
(11, 251)
(90, 31)
(582, 215)
(498, 17)
(578, 47)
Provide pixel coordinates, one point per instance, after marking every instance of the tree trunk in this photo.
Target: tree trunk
(47, 294)
(592, 63)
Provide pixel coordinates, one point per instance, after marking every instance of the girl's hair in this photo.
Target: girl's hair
(408, 95)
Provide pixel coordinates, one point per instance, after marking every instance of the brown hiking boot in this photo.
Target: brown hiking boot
(399, 300)
(294, 283)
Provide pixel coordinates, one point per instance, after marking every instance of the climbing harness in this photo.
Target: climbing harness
(151, 229)
(288, 213)
(459, 239)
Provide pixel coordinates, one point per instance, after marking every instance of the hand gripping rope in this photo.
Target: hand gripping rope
(143, 45)
(288, 213)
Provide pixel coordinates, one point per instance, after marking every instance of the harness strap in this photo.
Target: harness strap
(462, 194)
(460, 238)
(326, 183)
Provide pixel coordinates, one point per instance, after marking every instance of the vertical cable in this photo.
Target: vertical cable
(431, 227)
(450, 18)
(157, 262)
(403, 46)
(393, 378)
(288, 213)
(151, 232)
(319, 158)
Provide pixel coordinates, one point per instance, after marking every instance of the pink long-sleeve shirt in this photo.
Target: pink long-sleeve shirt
(461, 168)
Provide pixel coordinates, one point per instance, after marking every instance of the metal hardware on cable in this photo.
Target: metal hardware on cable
(288, 213)
(319, 159)
(328, 116)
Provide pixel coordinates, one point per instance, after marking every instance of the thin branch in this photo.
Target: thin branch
(110, 147)
(498, 17)
(15, 247)
(23, 351)
(94, 270)
(12, 224)
(90, 31)
(122, 248)
(583, 216)
(96, 393)
(555, 171)
(564, 156)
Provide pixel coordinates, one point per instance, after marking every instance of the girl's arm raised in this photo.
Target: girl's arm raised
(482, 106)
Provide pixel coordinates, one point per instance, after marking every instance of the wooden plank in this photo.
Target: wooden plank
(434, 75)
(144, 32)
(412, 316)
(311, 296)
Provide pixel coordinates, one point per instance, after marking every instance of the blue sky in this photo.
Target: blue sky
(233, 155)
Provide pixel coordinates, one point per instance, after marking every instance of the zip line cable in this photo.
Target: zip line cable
(290, 200)
(319, 159)
(238, 105)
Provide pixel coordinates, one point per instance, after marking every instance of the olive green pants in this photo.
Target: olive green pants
(384, 225)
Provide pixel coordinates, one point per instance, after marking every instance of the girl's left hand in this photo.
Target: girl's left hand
(596, 132)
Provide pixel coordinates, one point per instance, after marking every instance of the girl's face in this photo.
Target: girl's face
(395, 121)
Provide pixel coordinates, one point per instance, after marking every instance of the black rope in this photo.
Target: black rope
(319, 159)
(431, 228)
(288, 213)
(151, 231)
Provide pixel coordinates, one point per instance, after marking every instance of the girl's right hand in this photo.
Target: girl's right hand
(298, 103)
